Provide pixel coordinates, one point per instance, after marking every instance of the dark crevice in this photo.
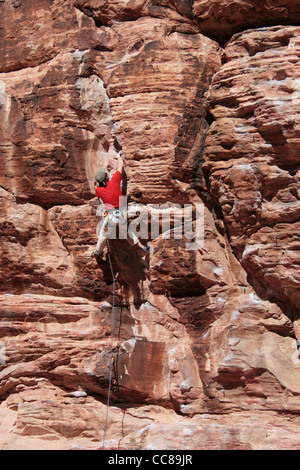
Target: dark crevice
(88, 11)
(224, 38)
(292, 169)
(50, 205)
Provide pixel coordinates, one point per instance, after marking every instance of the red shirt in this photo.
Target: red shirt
(111, 194)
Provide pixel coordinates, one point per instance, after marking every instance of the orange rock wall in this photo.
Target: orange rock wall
(203, 99)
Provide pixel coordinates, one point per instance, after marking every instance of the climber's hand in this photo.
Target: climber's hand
(120, 163)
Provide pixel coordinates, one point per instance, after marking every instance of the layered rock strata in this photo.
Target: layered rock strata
(204, 336)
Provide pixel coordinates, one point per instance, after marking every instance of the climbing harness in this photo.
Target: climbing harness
(118, 216)
(111, 347)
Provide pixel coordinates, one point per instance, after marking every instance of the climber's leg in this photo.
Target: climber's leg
(102, 238)
(135, 241)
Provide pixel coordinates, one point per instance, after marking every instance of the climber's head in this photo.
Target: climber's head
(101, 176)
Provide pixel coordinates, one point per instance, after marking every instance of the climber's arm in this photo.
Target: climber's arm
(120, 163)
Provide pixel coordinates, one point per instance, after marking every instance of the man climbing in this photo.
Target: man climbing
(109, 191)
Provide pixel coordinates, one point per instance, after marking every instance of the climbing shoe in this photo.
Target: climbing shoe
(145, 248)
(98, 255)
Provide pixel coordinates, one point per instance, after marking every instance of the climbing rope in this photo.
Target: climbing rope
(111, 348)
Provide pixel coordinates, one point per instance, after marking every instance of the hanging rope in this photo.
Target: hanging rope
(112, 335)
(111, 348)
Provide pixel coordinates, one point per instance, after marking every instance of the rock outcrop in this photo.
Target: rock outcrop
(252, 157)
(203, 100)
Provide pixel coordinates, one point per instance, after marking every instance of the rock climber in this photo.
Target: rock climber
(109, 191)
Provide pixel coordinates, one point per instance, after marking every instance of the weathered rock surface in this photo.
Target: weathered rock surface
(252, 155)
(220, 19)
(204, 340)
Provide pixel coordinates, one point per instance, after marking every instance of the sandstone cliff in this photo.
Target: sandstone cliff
(203, 99)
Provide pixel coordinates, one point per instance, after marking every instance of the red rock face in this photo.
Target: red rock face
(204, 352)
(221, 19)
(252, 156)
